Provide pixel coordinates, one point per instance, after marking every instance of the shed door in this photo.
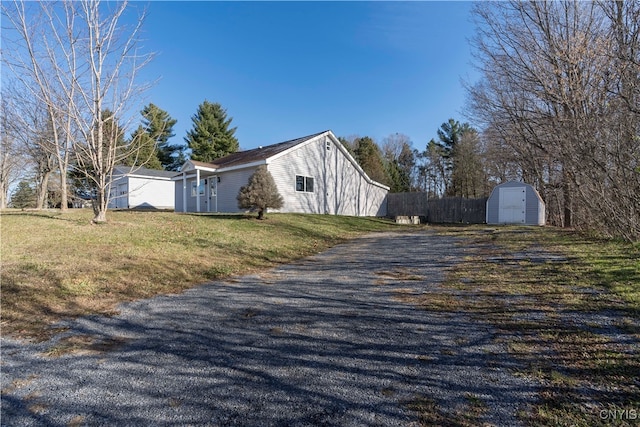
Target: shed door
(122, 197)
(512, 205)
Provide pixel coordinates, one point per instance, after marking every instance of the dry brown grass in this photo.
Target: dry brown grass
(62, 265)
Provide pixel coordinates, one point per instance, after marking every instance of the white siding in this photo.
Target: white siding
(118, 194)
(179, 191)
(191, 200)
(534, 208)
(339, 188)
(304, 161)
(228, 185)
(136, 192)
(150, 193)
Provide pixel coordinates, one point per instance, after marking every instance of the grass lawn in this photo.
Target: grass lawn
(62, 265)
(565, 306)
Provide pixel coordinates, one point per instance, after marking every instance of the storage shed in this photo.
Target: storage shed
(515, 203)
(141, 188)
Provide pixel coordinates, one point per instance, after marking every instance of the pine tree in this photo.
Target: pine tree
(158, 124)
(24, 196)
(144, 151)
(261, 193)
(150, 142)
(211, 137)
(369, 157)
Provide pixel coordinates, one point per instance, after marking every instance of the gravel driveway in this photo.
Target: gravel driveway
(322, 341)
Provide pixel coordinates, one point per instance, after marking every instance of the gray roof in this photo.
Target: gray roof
(140, 171)
(256, 154)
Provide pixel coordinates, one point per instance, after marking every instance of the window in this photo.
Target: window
(197, 189)
(304, 183)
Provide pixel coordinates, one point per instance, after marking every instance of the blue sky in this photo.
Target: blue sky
(288, 69)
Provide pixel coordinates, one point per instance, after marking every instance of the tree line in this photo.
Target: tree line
(558, 103)
(450, 165)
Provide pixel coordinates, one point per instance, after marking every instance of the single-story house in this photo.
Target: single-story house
(138, 187)
(314, 174)
(515, 203)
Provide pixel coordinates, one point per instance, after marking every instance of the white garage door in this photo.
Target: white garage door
(512, 205)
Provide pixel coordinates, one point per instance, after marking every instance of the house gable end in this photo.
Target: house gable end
(336, 143)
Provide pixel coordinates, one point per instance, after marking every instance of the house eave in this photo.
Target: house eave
(159, 178)
(191, 173)
(243, 166)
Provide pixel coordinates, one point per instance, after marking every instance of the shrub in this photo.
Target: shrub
(261, 193)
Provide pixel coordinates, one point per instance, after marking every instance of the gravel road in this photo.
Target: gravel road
(321, 341)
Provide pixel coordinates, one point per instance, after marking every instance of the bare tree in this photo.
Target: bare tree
(34, 44)
(29, 126)
(80, 60)
(12, 161)
(113, 63)
(468, 178)
(553, 95)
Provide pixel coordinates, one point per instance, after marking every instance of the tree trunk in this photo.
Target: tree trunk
(260, 213)
(42, 190)
(64, 199)
(100, 208)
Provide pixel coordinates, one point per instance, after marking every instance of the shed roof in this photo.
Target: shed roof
(121, 170)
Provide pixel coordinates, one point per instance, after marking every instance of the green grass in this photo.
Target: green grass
(58, 265)
(509, 280)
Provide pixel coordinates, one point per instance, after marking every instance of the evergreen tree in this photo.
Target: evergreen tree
(24, 196)
(261, 193)
(456, 160)
(370, 160)
(150, 142)
(468, 178)
(159, 126)
(348, 144)
(144, 150)
(400, 162)
(449, 135)
(211, 137)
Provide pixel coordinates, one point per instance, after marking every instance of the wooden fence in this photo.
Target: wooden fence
(445, 210)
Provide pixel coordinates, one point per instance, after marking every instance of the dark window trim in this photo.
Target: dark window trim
(305, 184)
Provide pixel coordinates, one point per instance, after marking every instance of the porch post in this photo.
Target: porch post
(197, 190)
(184, 191)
